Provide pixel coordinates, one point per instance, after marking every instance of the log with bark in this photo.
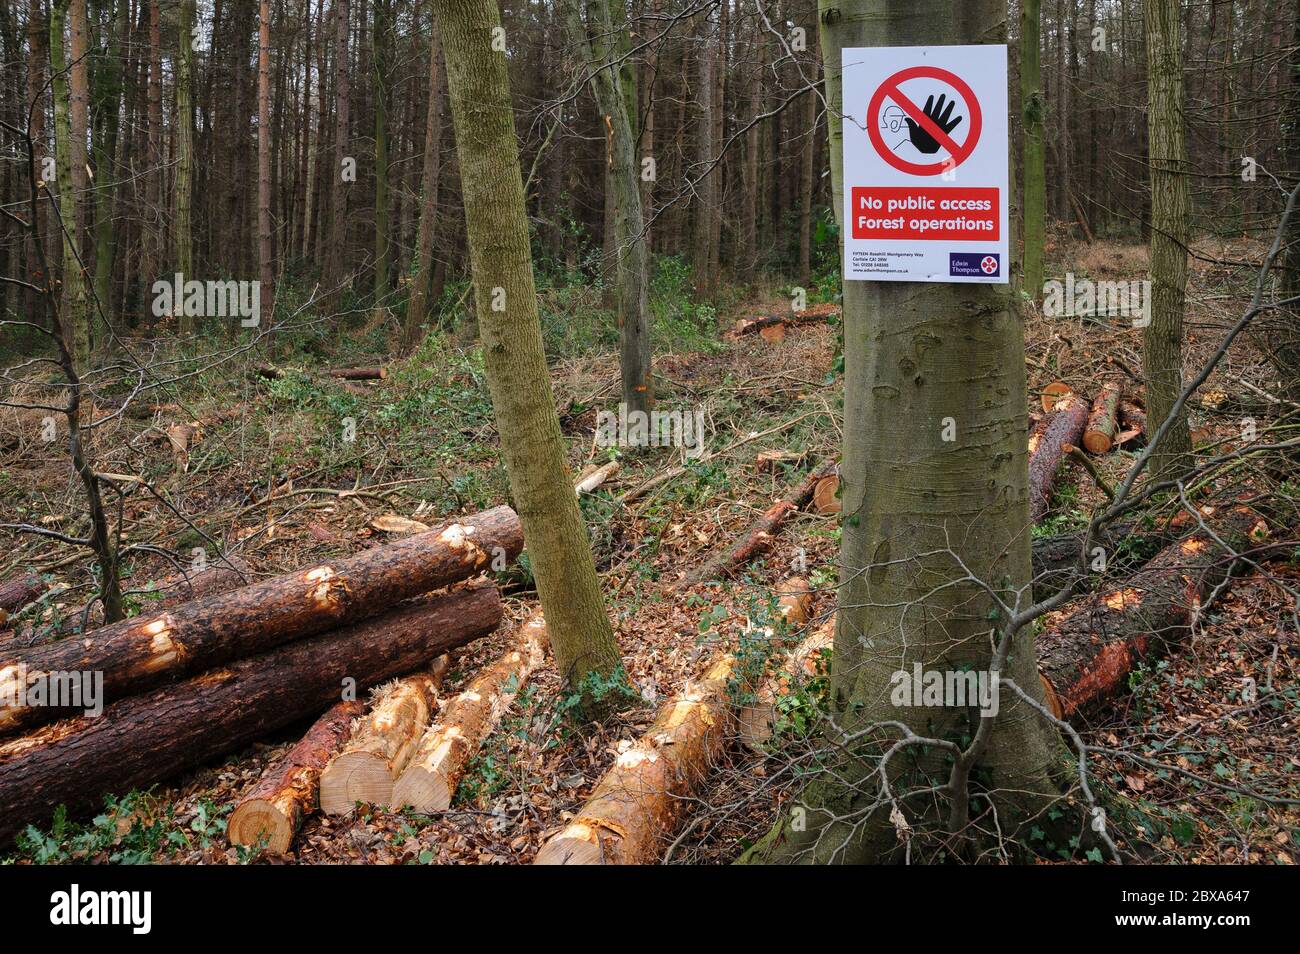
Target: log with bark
(1047, 446)
(637, 803)
(1086, 654)
(359, 374)
(142, 652)
(440, 760)
(591, 482)
(18, 592)
(1103, 421)
(270, 814)
(148, 738)
(1132, 423)
(758, 536)
(1055, 557)
(810, 315)
(381, 745)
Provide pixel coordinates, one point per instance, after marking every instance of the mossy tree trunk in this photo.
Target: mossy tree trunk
(1034, 198)
(922, 360)
(76, 324)
(506, 302)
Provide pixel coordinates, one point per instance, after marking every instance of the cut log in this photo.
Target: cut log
(770, 461)
(381, 745)
(359, 374)
(807, 316)
(637, 803)
(755, 720)
(1055, 557)
(794, 601)
(1053, 394)
(592, 481)
(773, 334)
(758, 536)
(429, 781)
(17, 593)
(142, 652)
(148, 738)
(826, 494)
(1132, 422)
(271, 812)
(1086, 654)
(1103, 422)
(1047, 443)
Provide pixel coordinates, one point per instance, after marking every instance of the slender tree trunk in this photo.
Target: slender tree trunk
(418, 308)
(1162, 339)
(338, 207)
(705, 154)
(152, 232)
(380, 39)
(808, 178)
(1034, 197)
(586, 655)
(265, 263)
(34, 119)
(747, 246)
(623, 180)
(108, 102)
(918, 356)
(182, 238)
(76, 324)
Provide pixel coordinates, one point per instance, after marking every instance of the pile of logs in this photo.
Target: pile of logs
(207, 677)
(1069, 423)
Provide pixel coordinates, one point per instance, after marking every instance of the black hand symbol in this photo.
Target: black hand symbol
(921, 139)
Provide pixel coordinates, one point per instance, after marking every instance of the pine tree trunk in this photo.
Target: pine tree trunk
(1034, 197)
(417, 309)
(75, 320)
(265, 264)
(506, 302)
(380, 41)
(916, 354)
(1162, 339)
(108, 101)
(182, 238)
(334, 176)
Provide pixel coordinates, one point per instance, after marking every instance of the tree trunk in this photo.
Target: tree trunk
(108, 102)
(1034, 197)
(1162, 339)
(505, 299)
(1103, 422)
(265, 264)
(417, 309)
(287, 792)
(916, 354)
(430, 779)
(151, 737)
(338, 204)
(380, 38)
(135, 654)
(632, 273)
(76, 323)
(152, 229)
(705, 153)
(1087, 655)
(183, 242)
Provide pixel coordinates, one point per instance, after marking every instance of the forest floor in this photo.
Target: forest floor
(270, 475)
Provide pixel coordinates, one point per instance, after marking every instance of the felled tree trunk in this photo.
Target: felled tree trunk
(136, 654)
(808, 316)
(1055, 557)
(755, 720)
(17, 593)
(1047, 445)
(359, 374)
(287, 792)
(1132, 419)
(1103, 421)
(1087, 654)
(430, 780)
(147, 738)
(638, 801)
(380, 747)
(758, 536)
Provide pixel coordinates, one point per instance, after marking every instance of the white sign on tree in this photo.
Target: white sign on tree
(926, 164)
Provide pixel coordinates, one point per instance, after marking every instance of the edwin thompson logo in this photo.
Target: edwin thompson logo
(76, 907)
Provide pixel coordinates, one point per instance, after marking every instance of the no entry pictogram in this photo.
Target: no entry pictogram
(957, 152)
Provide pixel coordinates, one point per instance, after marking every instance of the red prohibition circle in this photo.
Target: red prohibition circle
(890, 88)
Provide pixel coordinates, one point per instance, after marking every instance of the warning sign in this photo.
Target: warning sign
(925, 164)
